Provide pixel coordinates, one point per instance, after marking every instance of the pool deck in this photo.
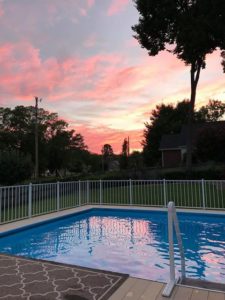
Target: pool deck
(139, 289)
(132, 288)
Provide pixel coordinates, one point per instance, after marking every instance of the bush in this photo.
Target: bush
(14, 167)
(211, 173)
(211, 144)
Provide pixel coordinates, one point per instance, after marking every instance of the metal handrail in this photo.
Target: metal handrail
(174, 223)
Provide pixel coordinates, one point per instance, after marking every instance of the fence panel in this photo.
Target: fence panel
(83, 193)
(44, 198)
(215, 194)
(13, 203)
(94, 192)
(185, 193)
(68, 194)
(115, 192)
(147, 192)
(19, 202)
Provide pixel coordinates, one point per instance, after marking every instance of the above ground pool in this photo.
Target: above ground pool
(126, 241)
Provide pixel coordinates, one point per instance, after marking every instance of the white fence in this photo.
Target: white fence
(25, 201)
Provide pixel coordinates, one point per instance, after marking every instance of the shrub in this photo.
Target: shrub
(211, 173)
(14, 167)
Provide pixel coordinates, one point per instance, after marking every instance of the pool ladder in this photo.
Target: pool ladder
(173, 223)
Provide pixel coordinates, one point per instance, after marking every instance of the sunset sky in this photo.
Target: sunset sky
(81, 58)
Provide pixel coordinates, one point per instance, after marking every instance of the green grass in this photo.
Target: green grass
(142, 193)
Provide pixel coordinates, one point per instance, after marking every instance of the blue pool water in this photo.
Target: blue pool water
(127, 241)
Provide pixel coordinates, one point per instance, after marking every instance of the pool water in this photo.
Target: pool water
(126, 241)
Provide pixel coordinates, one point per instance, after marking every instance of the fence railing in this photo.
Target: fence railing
(25, 201)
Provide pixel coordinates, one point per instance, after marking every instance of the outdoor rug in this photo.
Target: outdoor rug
(28, 279)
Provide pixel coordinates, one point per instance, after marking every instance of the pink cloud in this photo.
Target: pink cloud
(106, 80)
(96, 137)
(105, 77)
(123, 82)
(117, 6)
(24, 73)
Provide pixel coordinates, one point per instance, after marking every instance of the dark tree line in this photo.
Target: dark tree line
(59, 147)
(168, 119)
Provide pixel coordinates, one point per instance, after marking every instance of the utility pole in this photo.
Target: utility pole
(36, 138)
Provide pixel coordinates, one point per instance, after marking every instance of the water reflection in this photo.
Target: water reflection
(128, 242)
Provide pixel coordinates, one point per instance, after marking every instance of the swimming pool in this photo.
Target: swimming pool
(126, 241)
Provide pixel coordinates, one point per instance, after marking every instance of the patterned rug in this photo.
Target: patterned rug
(27, 279)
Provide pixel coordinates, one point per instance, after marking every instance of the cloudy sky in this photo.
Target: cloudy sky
(80, 57)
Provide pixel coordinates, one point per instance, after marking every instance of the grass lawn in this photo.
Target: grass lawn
(184, 194)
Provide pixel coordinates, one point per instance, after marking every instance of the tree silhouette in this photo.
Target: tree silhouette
(212, 112)
(124, 155)
(107, 155)
(57, 144)
(192, 28)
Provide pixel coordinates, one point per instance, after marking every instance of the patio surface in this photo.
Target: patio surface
(26, 279)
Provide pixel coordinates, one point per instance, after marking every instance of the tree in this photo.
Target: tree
(56, 141)
(193, 28)
(211, 144)
(212, 112)
(107, 155)
(164, 119)
(62, 146)
(136, 161)
(14, 167)
(124, 155)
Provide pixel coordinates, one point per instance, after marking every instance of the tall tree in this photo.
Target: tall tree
(124, 155)
(107, 155)
(194, 28)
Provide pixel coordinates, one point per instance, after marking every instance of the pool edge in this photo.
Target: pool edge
(13, 227)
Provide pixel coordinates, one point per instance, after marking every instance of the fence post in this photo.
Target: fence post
(87, 187)
(57, 195)
(79, 193)
(130, 186)
(30, 201)
(203, 193)
(100, 185)
(164, 192)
